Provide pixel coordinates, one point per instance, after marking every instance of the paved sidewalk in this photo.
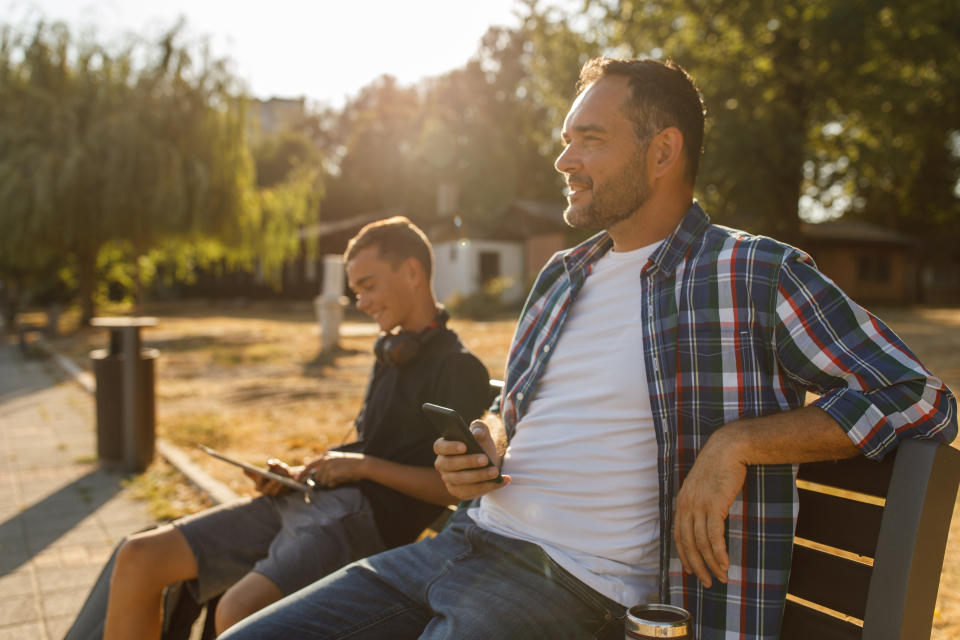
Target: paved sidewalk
(60, 515)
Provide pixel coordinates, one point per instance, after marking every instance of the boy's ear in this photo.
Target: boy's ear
(412, 270)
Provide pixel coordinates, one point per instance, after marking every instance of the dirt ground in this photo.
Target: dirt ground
(247, 380)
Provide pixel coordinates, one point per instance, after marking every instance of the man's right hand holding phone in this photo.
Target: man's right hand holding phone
(466, 476)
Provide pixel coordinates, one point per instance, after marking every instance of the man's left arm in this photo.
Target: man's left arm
(873, 393)
(717, 476)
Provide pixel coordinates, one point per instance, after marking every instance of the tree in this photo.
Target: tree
(95, 149)
(801, 98)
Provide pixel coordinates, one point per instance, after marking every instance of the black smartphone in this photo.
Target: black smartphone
(451, 426)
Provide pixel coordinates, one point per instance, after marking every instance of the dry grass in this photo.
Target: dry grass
(247, 381)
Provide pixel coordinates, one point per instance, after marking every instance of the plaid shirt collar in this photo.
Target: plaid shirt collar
(665, 259)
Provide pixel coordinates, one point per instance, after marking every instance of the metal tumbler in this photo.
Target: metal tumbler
(651, 621)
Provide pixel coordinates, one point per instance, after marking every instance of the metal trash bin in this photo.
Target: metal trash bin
(108, 371)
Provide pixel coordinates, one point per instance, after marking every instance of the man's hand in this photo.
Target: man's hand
(466, 476)
(703, 504)
(335, 468)
(271, 487)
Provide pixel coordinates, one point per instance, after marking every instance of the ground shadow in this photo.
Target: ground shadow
(32, 530)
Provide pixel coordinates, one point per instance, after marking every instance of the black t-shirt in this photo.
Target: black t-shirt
(391, 424)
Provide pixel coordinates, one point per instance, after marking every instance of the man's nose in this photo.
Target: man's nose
(567, 161)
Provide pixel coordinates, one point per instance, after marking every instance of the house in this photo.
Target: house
(510, 250)
(871, 264)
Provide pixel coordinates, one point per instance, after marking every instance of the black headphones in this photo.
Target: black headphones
(397, 349)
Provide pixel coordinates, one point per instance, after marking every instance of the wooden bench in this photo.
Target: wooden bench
(49, 329)
(873, 557)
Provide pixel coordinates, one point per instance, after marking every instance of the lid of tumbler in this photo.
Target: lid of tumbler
(658, 620)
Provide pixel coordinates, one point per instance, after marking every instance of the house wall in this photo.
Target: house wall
(457, 267)
(841, 263)
(540, 249)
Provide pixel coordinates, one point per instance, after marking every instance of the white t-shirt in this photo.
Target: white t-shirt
(583, 460)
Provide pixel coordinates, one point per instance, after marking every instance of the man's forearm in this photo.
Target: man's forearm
(808, 434)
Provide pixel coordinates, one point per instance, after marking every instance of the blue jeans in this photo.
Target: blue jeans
(465, 583)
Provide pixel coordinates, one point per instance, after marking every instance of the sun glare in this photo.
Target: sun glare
(322, 49)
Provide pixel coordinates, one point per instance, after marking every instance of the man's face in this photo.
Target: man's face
(383, 293)
(604, 163)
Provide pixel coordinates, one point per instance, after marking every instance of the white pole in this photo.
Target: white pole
(330, 303)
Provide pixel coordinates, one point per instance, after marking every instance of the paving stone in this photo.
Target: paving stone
(31, 631)
(56, 579)
(63, 603)
(57, 627)
(17, 583)
(19, 609)
(60, 513)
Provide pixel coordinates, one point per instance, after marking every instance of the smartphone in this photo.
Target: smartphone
(451, 426)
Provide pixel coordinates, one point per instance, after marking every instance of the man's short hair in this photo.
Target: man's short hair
(395, 239)
(662, 95)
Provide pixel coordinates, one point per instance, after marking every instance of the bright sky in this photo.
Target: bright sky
(323, 49)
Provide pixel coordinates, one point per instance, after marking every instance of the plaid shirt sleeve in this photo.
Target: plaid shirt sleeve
(869, 382)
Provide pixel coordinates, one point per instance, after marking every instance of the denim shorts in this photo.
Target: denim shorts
(467, 583)
(290, 541)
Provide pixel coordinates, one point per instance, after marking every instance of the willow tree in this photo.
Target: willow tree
(138, 148)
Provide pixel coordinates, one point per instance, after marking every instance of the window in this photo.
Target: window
(873, 268)
(489, 266)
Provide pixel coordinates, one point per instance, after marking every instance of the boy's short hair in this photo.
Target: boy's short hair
(395, 239)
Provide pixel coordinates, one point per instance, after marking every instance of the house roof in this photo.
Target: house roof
(352, 223)
(853, 231)
(518, 221)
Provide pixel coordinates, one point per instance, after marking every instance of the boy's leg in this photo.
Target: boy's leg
(317, 538)
(145, 564)
(252, 593)
(217, 547)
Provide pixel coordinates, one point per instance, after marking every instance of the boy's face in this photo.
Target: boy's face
(385, 294)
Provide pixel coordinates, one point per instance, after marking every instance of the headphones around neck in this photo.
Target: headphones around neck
(397, 349)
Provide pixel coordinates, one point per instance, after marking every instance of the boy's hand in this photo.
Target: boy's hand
(334, 468)
(271, 487)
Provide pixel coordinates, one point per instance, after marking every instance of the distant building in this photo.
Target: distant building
(275, 114)
(871, 264)
(467, 259)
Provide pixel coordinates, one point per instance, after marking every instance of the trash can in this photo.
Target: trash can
(108, 371)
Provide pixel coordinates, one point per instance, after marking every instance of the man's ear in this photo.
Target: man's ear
(666, 151)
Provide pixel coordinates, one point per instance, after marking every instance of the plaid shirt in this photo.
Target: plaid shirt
(740, 326)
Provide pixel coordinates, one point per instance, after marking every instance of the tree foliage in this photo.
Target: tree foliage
(477, 127)
(140, 151)
(843, 105)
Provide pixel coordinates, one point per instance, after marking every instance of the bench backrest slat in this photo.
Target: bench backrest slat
(906, 538)
(846, 588)
(856, 474)
(839, 522)
(802, 623)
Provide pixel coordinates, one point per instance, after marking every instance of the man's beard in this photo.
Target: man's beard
(613, 201)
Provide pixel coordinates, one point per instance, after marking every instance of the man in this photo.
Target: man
(379, 492)
(652, 414)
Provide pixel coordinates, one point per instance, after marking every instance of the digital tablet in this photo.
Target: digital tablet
(284, 480)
